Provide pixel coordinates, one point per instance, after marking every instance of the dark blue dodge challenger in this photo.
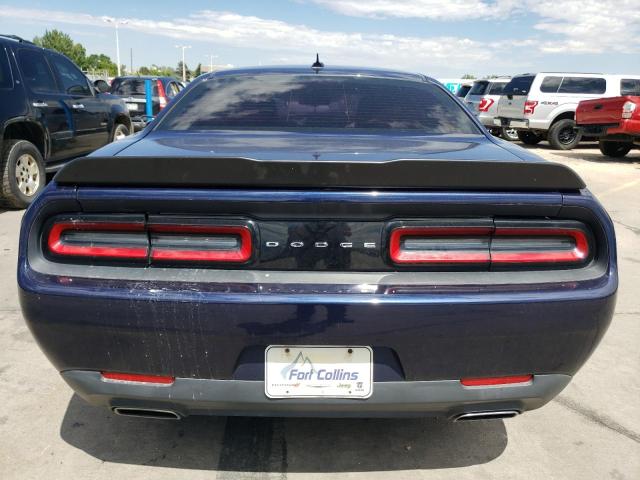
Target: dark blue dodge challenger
(317, 242)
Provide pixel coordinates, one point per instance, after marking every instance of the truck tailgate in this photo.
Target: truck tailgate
(600, 111)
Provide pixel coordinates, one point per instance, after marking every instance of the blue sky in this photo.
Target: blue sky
(437, 37)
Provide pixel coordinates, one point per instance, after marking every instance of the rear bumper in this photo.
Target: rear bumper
(187, 396)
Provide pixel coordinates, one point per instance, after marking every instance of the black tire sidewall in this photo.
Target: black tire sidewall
(554, 135)
(12, 150)
(615, 149)
(505, 136)
(529, 138)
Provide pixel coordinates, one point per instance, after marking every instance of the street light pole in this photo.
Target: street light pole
(116, 22)
(184, 68)
(211, 57)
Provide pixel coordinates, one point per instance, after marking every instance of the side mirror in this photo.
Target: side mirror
(101, 86)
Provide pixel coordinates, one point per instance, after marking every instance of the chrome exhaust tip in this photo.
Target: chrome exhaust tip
(146, 413)
(489, 415)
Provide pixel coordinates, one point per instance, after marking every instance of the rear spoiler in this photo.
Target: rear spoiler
(247, 173)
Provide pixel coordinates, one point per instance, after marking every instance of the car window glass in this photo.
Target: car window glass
(73, 80)
(583, 85)
(479, 88)
(36, 72)
(172, 90)
(496, 88)
(305, 102)
(550, 84)
(519, 85)
(6, 80)
(630, 86)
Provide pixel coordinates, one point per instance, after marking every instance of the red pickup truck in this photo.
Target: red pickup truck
(614, 121)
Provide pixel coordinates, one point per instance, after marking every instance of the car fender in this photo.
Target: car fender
(46, 139)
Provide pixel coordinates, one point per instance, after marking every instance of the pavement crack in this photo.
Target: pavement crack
(634, 229)
(598, 419)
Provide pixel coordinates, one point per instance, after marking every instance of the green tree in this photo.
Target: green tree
(61, 42)
(178, 71)
(100, 62)
(468, 76)
(198, 71)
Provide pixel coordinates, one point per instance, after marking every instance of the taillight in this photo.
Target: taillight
(155, 240)
(438, 245)
(505, 244)
(99, 239)
(200, 243)
(162, 96)
(485, 104)
(530, 106)
(627, 109)
(538, 244)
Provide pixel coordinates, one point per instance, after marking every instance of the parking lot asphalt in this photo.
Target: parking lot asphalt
(590, 431)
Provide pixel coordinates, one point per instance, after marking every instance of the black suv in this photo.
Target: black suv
(49, 114)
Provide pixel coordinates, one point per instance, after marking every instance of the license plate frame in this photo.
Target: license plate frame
(318, 371)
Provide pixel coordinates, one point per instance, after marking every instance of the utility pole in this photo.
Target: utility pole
(116, 22)
(211, 57)
(184, 67)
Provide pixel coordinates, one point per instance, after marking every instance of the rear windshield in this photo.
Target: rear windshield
(479, 88)
(463, 90)
(630, 86)
(304, 102)
(131, 86)
(496, 88)
(519, 85)
(5, 73)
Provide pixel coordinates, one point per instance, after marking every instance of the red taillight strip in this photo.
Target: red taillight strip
(400, 256)
(488, 381)
(239, 255)
(57, 246)
(138, 378)
(577, 254)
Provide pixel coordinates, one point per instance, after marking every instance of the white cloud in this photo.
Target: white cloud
(589, 26)
(431, 9)
(290, 40)
(575, 26)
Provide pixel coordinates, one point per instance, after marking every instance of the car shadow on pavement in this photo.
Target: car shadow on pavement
(252, 444)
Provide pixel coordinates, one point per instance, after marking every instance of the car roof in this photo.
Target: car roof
(143, 77)
(307, 70)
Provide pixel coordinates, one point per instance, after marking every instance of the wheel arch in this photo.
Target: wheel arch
(25, 129)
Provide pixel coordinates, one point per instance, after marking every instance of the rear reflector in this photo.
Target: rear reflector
(98, 239)
(487, 381)
(200, 243)
(135, 377)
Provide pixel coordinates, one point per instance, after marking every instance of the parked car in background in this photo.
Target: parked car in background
(543, 105)
(483, 99)
(464, 89)
(317, 242)
(614, 121)
(49, 114)
(133, 91)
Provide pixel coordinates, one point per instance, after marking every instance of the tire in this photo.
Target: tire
(615, 149)
(119, 132)
(529, 138)
(563, 135)
(509, 134)
(23, 174)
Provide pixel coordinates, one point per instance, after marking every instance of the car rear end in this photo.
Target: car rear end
(516, 105)
(616, 116)
(292, 273)
(483, 99)
(133, 91)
